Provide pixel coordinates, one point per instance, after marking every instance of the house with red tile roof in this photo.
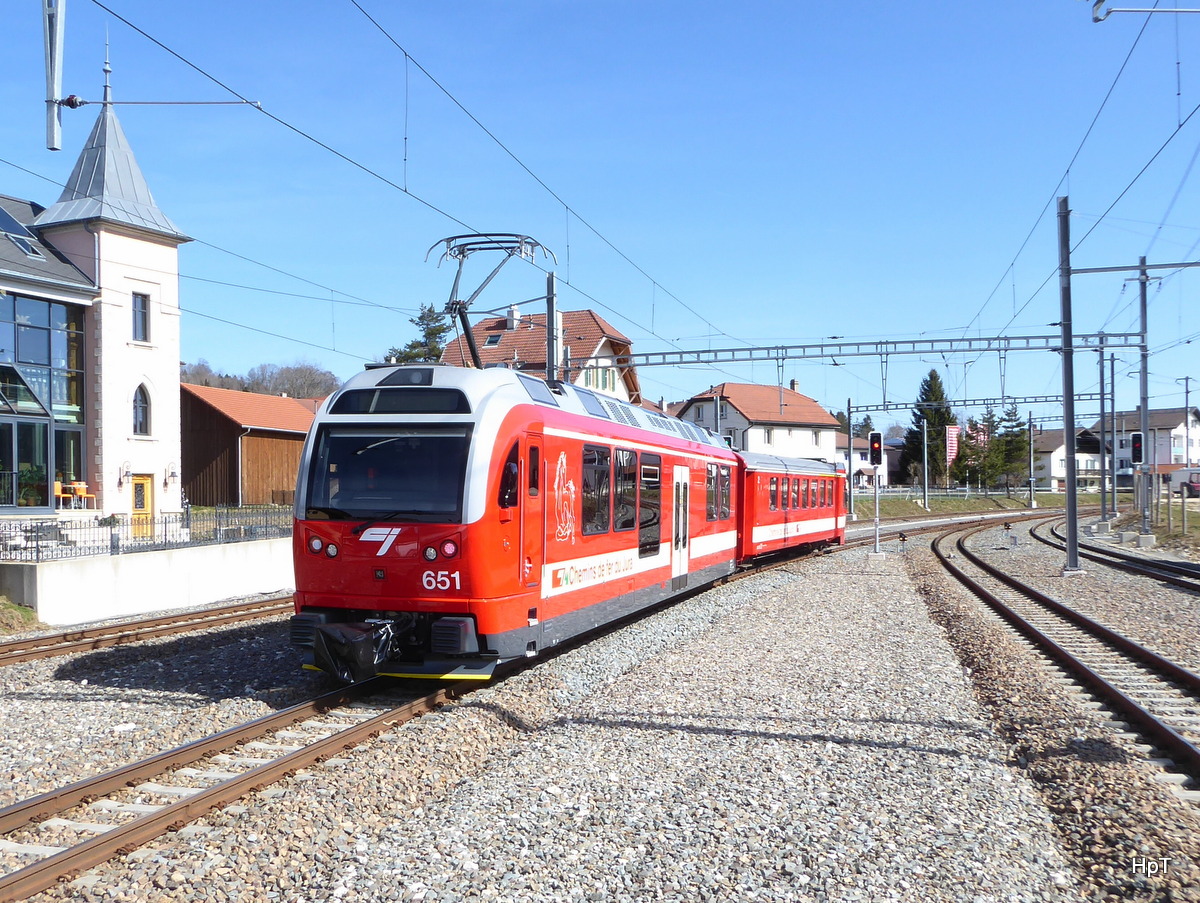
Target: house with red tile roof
(241, 448)
(767, 419)
(518, 341)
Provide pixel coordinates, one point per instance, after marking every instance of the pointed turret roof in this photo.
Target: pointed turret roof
(107, 183)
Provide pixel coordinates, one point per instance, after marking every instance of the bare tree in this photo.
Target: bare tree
(298, 380)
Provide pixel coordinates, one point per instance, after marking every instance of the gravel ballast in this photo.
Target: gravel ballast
(804, 734)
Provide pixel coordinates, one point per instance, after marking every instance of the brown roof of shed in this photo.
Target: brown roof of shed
(251, 410)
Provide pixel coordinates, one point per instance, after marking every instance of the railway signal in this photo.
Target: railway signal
(876, 442)
(1137, 453)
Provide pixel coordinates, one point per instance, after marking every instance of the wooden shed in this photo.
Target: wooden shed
(241, 448)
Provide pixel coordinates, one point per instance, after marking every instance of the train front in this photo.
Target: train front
(381, 541)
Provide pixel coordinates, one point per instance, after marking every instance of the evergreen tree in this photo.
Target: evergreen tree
(864, 428)
(1014, 443)
(433, 326)
(933, 408)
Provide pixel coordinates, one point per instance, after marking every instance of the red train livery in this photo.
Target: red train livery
(450, 520)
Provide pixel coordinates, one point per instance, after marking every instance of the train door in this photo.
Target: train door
(680, 527)
(533, 520)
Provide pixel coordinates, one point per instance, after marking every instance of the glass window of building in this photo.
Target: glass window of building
(141, 317)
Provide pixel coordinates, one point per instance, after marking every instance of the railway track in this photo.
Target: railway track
(62, 833)
(54, 836)
(82, 640)
(1183, 574)
(1156, 699)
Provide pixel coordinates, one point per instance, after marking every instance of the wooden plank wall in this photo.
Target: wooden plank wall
(269, 465)
(208, 457)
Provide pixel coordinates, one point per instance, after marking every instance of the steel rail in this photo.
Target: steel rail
(1178, 574)
(48, 645)
(1184, 753)
(47, 872)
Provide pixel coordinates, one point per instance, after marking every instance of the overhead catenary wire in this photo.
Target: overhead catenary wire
(567, 207)
(368, 170)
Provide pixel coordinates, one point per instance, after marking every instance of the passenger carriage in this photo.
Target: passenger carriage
(789, 503)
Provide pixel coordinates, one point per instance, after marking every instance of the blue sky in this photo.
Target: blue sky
(759, 173)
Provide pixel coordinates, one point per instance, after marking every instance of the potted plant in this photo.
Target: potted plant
(31, 483)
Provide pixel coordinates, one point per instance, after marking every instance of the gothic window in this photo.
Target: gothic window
(141, 412)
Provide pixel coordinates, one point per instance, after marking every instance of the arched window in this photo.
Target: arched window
(141, 412)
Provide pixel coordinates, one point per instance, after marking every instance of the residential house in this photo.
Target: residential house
(861, 471)
(519, 341)
(241, 448)
(1050, 460)
(767, 419)
(1174, 438)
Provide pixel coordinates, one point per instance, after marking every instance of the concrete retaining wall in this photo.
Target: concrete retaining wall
(112, 586)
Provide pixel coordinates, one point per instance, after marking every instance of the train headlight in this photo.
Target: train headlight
(429, 553)
(331, 550)
(315, 544)
(449, 548)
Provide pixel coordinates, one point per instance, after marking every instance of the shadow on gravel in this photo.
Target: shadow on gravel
(245, 660)
(638, 721)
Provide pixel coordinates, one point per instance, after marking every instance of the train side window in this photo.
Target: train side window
(625, 496)
(650, 506)
(787, 492)
(804, 495)
(723, 491)
(510, 478)
(596, 495)
(824, 493)
(774, 493)
(535, 470)
(796, 493)
(710, 493)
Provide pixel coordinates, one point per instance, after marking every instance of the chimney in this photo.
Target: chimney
(514, 318)
(793, 386)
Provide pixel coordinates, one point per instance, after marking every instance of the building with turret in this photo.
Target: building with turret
(89, 341)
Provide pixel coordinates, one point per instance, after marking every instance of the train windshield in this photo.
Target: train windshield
(398, 472)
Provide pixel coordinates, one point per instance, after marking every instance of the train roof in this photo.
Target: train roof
(478, 384)
(777, 464)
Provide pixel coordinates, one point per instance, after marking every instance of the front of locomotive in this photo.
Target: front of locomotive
(385, 578)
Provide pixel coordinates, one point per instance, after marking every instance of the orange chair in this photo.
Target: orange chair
(60, 495)
(82, 494)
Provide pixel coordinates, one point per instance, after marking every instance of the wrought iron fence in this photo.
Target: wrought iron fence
(56, 539)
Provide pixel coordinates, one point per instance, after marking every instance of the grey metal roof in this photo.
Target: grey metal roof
(107, 184)
(52, 268)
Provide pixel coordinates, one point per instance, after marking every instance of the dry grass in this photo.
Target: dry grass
(15, 618)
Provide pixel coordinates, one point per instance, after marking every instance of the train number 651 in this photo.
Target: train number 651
(442, 580)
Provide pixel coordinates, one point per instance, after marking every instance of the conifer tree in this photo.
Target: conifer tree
(932, 407)
(433, 326)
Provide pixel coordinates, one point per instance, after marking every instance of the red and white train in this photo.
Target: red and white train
(450, 520)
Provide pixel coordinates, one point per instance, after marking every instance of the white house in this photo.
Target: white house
(1174, 437)
(1050, 460)
(767, 419)
(861, 470)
